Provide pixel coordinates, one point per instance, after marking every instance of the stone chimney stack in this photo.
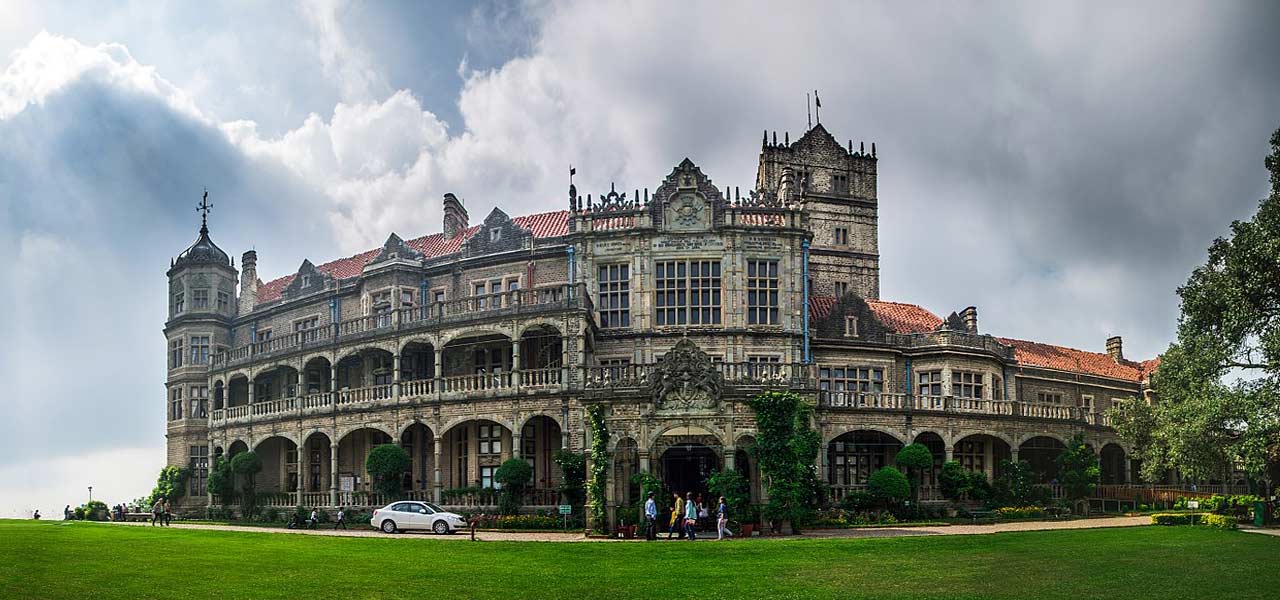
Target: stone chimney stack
(248, 282)
(970, 316)
(1115, 348)
(455, 217)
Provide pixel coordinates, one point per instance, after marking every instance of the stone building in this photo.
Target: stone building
(670, 309)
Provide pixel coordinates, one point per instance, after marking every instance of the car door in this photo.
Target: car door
(407, 516)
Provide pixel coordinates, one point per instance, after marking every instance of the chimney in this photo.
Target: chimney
(248, 282)
(970, 317)
(1115, 348)
(455, 217)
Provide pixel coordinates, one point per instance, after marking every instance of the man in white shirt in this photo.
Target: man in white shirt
(650, 518)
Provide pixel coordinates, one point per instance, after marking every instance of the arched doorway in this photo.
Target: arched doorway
(1041, 452)
(981, 453)
(540, 438)
(747, 466)
(279, 466)
(317, 374)
(687, 456)
(626, 464)
(353, 450)
(418, 441)
(236, 447)
(854, 456)
(315, 468)
(1112, 462)
(929, 489)
(472, 453)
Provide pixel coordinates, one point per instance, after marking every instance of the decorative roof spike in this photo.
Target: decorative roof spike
(765, 142)
(862, 147)
(873, 149)
(775, 138)
(786, 138)
(850, 146)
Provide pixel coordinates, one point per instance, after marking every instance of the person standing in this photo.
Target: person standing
(168, 512)
(342, 519)
(650, 519)
(677, 516)
(691, 517)
(66, 513)
(156, 507)
(315, 518)
(722, 520)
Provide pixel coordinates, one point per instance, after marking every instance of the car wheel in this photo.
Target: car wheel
(388, 526)
(440, 527)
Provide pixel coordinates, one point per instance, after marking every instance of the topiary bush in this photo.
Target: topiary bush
(387, 464)
(914, 459)
(573, 469)
(1219, 521)
(247, 465)
(514, 476)
(889, 487)
(1175, 518)
(953, 480)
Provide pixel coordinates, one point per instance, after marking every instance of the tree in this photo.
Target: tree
(1078, 470)
(221, 482)
(247, 465)
(916, 459)
(736, 491)
(387, 464)
(953, 480)
(786, 448)
(514, 475)
(1016, 485)
(1217, 385)
(573, 474)
(889, 487)
(170, 484)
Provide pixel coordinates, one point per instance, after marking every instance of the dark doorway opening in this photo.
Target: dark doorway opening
(685, 468)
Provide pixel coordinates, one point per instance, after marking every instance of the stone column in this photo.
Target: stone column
(439, 373)
(516, 449)
(644, 461)
(730, 457)
(515, 363)
(438, 493)
(950, 453)
(302, 471)
(395, 376)
(333, 384)
(333, 472)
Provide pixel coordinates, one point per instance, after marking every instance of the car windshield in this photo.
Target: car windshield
(434, 508)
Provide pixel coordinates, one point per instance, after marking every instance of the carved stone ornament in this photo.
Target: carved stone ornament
(686, 379)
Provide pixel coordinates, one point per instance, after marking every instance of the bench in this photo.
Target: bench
(982, 514)
(137, 516)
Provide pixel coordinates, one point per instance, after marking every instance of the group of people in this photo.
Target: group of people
(314, 520)
(688, 513)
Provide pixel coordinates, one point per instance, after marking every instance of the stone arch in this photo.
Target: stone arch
(456, 421)
(889, 431)
(277, 474)
(447, 339)
(1041, 452)
(1112, 463)
(941, 433)
(625, 459)
(315, 460)
(692, 429)
(409, 424)
(237, 446)
(342, 433)
(275, 434)
(531, 416)
(432, 340)
(418, 441)
(353, 448)
(964, 433)
(1062, 439)
(540, 322)
(937, 444)
(854, 455)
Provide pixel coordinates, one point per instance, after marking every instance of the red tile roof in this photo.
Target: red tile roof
(897, 316)
(541, 225)
(1061, 358)
(904, 318)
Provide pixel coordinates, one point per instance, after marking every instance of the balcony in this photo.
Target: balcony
(959, 406)
(950, 339)
(528, 302)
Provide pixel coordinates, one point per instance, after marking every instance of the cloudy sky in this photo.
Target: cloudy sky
(1061, 168)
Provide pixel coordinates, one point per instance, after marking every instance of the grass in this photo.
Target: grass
(54, 559)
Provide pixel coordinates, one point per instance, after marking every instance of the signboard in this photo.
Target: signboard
(1193, 504)
(347, 483)
(566, 509)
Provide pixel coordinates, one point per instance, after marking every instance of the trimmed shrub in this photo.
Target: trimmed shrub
(858, 501)
(387, 464)
(1218, 521)
(514, 475)
(889, 486)
(1175, 518)
(1020, 512)
(954, 480)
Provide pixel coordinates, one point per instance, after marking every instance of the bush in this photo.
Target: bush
(915, 459)
(954, 480)
(573, 466)
(1218, 521)
(514, 475)
(1020, 512)
(858, 501)
(526, 522)
(221, 481)
(387, 464)
(1175, 518)
(95, 510)
(271, 514)
(247, 465)
(889, 487)
(735, 489)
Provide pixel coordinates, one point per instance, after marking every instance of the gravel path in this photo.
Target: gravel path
(875, 532)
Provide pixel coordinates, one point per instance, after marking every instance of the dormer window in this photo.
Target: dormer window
(306, 281)
(495, 234)
(851, 326)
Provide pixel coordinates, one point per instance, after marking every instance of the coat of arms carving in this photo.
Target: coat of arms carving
(686, 379)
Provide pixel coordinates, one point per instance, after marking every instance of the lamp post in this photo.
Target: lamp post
(90, 493)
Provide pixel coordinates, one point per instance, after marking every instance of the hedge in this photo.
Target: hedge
(1020, 512)
(1206, 519)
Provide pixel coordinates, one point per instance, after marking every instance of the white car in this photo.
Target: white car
(403, 516)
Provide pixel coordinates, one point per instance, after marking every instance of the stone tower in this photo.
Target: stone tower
(837, 184)
(202, 303)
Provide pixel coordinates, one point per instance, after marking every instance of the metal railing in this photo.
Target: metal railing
(951, 404)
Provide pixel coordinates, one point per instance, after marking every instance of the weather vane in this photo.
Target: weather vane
(203, 209)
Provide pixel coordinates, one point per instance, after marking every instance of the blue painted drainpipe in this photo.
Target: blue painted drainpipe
(808, 356)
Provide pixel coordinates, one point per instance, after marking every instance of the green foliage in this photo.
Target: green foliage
(954, 480)
(573, 470)
(786, 448)
(736, 491)
(171, 484)
(915, 459)
(1078, 470)
(1016, 486)
(1202, 425)
(221, 482)
(650, 484)
(889, 487)
(247, 465)
(387, 464)
(94, 510)
(1176, 518)
(1020, 512)
(527, 522)
(1219, 521)
(599, 475)
(858, 502)
(514, 474)
(1222, 505)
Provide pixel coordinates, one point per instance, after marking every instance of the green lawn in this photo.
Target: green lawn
(100, 561)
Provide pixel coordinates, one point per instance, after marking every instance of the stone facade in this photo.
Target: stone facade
(487, 341)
